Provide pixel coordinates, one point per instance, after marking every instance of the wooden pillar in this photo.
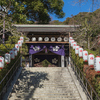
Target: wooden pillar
(30, 60)
(33, 60)
(62, 61)
(59, 64)
(66, 61)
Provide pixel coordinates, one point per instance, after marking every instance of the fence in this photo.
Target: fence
(88, 89)
(5, 82)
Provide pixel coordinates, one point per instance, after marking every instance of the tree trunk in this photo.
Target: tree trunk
(88, 41)
(3, 37)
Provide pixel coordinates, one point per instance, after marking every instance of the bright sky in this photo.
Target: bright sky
(71, 8)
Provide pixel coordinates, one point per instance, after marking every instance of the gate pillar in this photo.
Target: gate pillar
(62, 61)
(30, 60)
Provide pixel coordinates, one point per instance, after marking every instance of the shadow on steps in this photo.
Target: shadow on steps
(27, 83)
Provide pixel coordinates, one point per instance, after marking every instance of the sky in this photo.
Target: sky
(70, 8)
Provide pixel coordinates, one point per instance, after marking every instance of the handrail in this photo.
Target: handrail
(10, 73)
(92, 95)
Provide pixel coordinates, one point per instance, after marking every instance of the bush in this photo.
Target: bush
(77, 59)
(4, 49)
(45, 63)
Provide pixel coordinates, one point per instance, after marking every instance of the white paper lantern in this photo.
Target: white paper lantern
(70, 37)
(15, 51)
(76, 49)
(91, 60)
(85, 55)
(65, 39)
(17, 47)
(80, 52)
(12, 54)
(22, 38)
(33, 38)
(59, 39)
(20, 43)
(46, 39)
(97, 64)
(7, 58)
(71, 41)
(74, 45)
(1, 62)
(53, 39)
(40, 39)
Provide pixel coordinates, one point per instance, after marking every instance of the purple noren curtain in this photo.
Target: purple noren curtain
(55, 48)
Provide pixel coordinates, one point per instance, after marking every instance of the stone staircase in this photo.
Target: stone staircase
(45, 83)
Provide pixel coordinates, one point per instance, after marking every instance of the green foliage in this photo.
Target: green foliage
(5, 48)
(45, 63)
(56, 22)
(24, 49)
(35, 10)
(96, 84)
(12, 40)
(79, 61)
(95, 53)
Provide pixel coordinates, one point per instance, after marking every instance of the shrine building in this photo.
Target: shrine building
(50, 42)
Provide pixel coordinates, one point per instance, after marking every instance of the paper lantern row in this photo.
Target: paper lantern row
(92, 61)
(12, 54)
(59, 39)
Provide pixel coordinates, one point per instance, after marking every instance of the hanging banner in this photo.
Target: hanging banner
(55, 48)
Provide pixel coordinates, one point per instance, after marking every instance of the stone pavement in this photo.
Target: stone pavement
(47, 83)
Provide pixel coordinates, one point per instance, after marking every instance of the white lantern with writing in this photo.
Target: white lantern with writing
(1, 62)
(80, 52)
(91, 60)
(12, 54)
(20, 43)
(70, 37)
(97, 64)
(85, 55)
(74, 45)
(7, 58)
(71, 41)
(76, 49)
(22, 38)
(15, 51)
(17, 47)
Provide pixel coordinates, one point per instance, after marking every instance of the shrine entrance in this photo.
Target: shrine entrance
(46, 55)
(46, 61)
(48, 43)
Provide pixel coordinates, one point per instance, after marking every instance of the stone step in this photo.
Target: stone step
(46, 99)
(45, 84)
